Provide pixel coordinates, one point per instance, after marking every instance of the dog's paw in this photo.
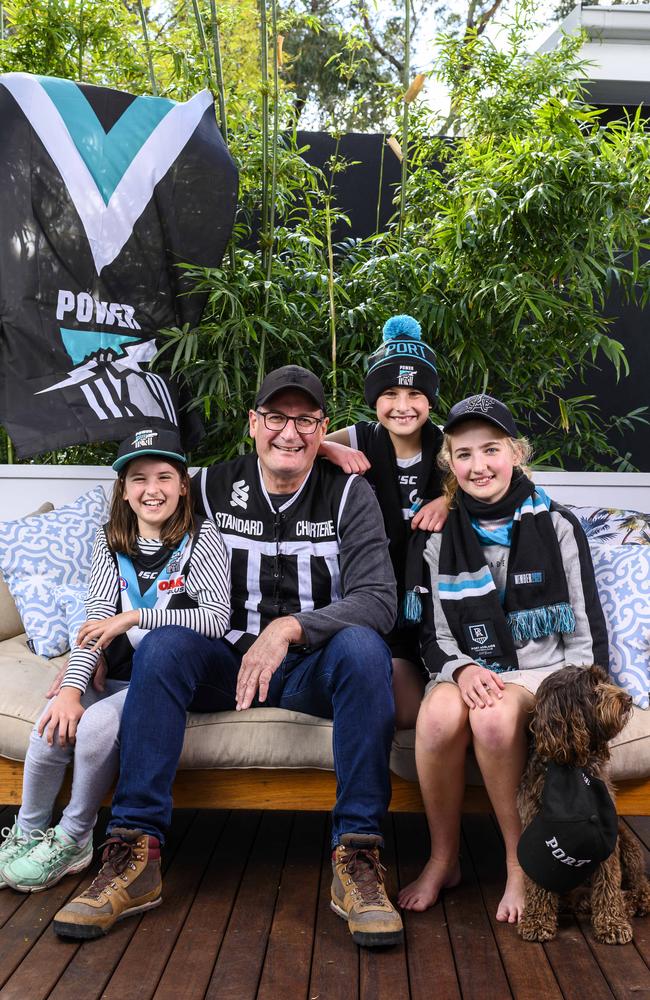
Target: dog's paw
(614, 933)
(530, 931)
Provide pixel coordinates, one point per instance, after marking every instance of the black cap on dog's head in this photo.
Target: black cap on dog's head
(574, 831)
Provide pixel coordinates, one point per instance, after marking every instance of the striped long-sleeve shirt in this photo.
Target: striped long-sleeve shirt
(208, 583)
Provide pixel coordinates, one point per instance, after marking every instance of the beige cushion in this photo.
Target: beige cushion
(10, 623)
(630, 752)
(260, 737)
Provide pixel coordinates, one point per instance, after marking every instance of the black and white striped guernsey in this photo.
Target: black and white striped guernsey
(282, 562)
(203, 606)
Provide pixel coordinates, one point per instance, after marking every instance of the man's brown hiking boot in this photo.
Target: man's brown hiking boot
(127, 883)
(359, 894)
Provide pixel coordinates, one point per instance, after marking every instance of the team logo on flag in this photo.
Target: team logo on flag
(103, 195)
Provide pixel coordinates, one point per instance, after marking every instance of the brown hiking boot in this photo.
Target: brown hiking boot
(127, 883)
(359, 894)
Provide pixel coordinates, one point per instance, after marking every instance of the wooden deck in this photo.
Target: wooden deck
(246, 915)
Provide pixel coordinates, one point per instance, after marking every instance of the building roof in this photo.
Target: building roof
(618, 46)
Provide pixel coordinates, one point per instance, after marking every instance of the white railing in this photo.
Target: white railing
(23, 488)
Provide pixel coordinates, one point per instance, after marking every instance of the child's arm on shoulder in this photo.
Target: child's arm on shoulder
(336, 449)
(431, 517)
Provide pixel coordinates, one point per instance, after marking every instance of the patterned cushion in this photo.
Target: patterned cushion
(10, 623)
(38, 554)
(623, 579)
(71, 602)
(611, 526)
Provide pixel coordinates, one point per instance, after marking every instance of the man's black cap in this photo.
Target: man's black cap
(163, 442)
(482, 407)
(292, 377)
(575, 830)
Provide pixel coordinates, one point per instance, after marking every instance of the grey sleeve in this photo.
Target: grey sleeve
(368, 591)
(440, 651)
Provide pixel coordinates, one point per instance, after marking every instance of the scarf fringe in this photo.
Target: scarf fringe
(411, 611)
(539, 622)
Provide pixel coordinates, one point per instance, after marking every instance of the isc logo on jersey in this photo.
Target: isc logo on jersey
(123, 584)
(175, 585)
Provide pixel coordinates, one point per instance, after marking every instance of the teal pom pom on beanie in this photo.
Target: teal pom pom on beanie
(400, 326)
(402, 360)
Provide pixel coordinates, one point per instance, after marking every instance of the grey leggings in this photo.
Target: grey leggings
(96, 761)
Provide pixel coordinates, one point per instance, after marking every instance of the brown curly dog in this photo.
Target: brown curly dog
(577, 712)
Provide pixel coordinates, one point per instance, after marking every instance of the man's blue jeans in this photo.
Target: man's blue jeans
(176, 669)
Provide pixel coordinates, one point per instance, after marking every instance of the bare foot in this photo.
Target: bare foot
(435, 876)
(511, 907)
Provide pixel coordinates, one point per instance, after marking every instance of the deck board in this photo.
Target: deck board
(246, 916)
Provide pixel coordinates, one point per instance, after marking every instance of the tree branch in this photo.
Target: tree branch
(362, 11)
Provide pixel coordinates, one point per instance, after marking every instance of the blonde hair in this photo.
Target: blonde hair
(520, 447)
(122, 526)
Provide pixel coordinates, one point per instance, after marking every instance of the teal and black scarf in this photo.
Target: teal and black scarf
(536, 600)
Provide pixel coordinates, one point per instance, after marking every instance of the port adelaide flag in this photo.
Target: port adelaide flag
(102, 196)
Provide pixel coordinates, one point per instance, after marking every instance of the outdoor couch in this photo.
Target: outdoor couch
(267, 758)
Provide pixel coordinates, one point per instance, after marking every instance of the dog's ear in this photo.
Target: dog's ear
(564, 716)
(613, 709)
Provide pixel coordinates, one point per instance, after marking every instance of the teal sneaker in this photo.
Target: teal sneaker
(14, 846)
(52, 857)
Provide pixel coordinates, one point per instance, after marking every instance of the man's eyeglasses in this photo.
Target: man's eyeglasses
(274, 421)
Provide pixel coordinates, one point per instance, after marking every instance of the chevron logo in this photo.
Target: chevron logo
(239, 495)
(111, 176)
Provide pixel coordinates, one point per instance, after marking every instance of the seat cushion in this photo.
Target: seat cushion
(630, 752)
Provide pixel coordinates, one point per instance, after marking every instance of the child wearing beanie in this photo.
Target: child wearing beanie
(401, 448)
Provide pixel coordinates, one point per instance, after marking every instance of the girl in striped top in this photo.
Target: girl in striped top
(154, 563)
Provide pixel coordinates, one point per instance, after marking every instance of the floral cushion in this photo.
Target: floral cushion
(623, 580)
(39, 554)
(611, 526)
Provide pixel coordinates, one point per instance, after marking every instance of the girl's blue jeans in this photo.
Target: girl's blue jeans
(176, 670)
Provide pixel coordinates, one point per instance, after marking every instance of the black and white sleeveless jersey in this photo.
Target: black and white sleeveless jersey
(282, 562)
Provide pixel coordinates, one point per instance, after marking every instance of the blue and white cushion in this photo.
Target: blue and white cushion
(72, 602)
(623, 579)
(39, 554)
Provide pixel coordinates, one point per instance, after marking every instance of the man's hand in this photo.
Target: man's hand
(100, 633)
(263, 658)
(432, 516)
(64, 712)
(348, 459)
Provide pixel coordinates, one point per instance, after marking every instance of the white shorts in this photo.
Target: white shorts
(529, 679)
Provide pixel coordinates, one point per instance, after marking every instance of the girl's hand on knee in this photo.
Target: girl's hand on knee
(479, 686)
(63, 714)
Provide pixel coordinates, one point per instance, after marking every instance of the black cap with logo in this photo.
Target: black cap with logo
(163, 442)
(482, 407)
(292, 377)
(574, 831)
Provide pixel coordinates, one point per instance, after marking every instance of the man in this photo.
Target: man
(312, 586)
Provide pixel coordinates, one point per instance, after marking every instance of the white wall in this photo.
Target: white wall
(23, 488)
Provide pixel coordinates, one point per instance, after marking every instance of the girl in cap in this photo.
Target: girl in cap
(154, 563)
(512, 599)
(398, 453)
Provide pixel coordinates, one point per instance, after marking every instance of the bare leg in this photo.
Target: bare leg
(442, 738)
(500, 745)
(408, 688)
